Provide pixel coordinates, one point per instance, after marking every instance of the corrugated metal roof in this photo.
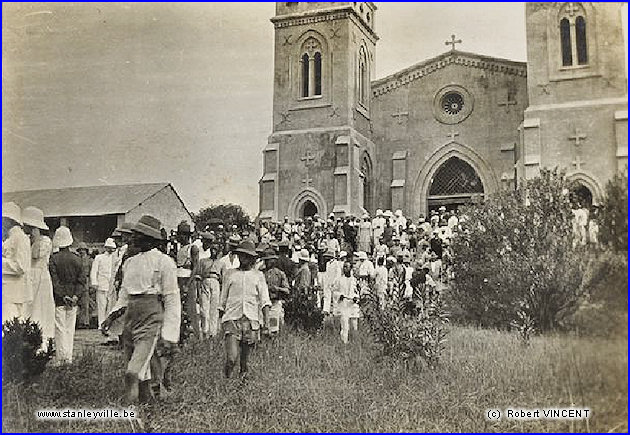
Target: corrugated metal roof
(85, 201)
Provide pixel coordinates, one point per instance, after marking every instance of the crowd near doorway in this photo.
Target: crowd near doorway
(454, 184)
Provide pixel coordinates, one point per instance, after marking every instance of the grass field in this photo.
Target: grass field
(303, 383)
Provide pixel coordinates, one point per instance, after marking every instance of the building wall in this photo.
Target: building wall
(413, 137)
(165, 206)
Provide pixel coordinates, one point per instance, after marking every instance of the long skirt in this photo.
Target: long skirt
(43, 308)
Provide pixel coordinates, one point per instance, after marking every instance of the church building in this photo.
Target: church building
(447, 130)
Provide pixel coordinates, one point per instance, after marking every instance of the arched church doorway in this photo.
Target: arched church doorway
(455, 183)
(309, 209)
(581, 196)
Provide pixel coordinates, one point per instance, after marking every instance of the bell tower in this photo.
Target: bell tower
(577, 117)
(320, 145)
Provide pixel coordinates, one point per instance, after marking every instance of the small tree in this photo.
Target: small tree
(614, 214)
(301, 310)
(230, 214)
(22, 357)
(514, 257)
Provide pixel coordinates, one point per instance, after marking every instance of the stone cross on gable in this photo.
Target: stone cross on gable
(578, 162)
(507, 103)
(577, 137)
(452, 42)
(399, 114)
(452, 135)
(307, 159)
(572, 9)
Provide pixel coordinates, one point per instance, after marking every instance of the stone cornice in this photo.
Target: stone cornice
(318, 16)
(455, 57)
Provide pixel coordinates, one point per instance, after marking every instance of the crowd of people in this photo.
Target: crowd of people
(149, 291)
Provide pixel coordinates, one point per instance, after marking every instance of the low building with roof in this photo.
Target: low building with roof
(93, 212)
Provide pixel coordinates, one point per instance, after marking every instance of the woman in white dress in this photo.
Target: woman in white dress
(43, 307)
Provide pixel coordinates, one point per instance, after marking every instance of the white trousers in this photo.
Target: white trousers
(348, 323)
(209, 310)
(65, 322)
(101, 306)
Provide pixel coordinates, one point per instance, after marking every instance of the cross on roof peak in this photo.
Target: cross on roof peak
(452, 42)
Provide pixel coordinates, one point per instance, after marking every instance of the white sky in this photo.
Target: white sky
(150, 92)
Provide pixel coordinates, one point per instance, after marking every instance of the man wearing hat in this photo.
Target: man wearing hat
(101, 278)
(278, 286)
(149, 297)
(122, 237)
(378, 224)
(17, 293)
(66, 272)
(43, 307)
(284, 262)
(243, 294)
(330, 281)
(230, 260)
(365, 270)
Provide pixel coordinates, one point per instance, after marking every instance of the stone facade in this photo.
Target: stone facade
(445, 131)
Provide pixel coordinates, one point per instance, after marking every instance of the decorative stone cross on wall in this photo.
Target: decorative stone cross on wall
(452, 42)
(452, 135)
(507, 103)
(572, 9)
(577, 137)
(399, 115)
(307, 159)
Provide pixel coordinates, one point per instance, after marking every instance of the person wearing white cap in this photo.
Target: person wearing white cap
(43, 308)
(17, 293)
(101, 278)
(366, 267)
(66, 272)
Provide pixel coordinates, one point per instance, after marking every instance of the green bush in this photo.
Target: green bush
(302, 312)
(407, 329)
(22, 357)
(514, 257)
(614, 214)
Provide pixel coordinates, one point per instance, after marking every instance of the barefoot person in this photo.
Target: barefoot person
(149, 298)
(244, 291)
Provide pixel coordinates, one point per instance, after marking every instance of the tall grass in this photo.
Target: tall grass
(315, 383)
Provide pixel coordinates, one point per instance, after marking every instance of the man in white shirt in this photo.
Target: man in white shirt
(100, 278)
(149, 296)
(366, 267)
(348, 302)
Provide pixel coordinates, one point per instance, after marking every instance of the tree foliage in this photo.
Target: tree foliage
(302, 311)
(614, 214)
(230, 214)
(514, 257)
(22, 357)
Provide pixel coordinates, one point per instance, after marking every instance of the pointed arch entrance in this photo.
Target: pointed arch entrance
(308, 202)
(309, 209)
(434, 162)
(366, 183)
(454, 183)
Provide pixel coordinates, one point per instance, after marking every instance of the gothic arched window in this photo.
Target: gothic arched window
(573, 42)
(363, 78)
(311, 71)
(565, 41)
(580, 40)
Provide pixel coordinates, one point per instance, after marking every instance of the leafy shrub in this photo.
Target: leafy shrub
(22, 357)
(514, 253)
(407, 329)
(614, 214)
(603, 309)
(302, 311)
